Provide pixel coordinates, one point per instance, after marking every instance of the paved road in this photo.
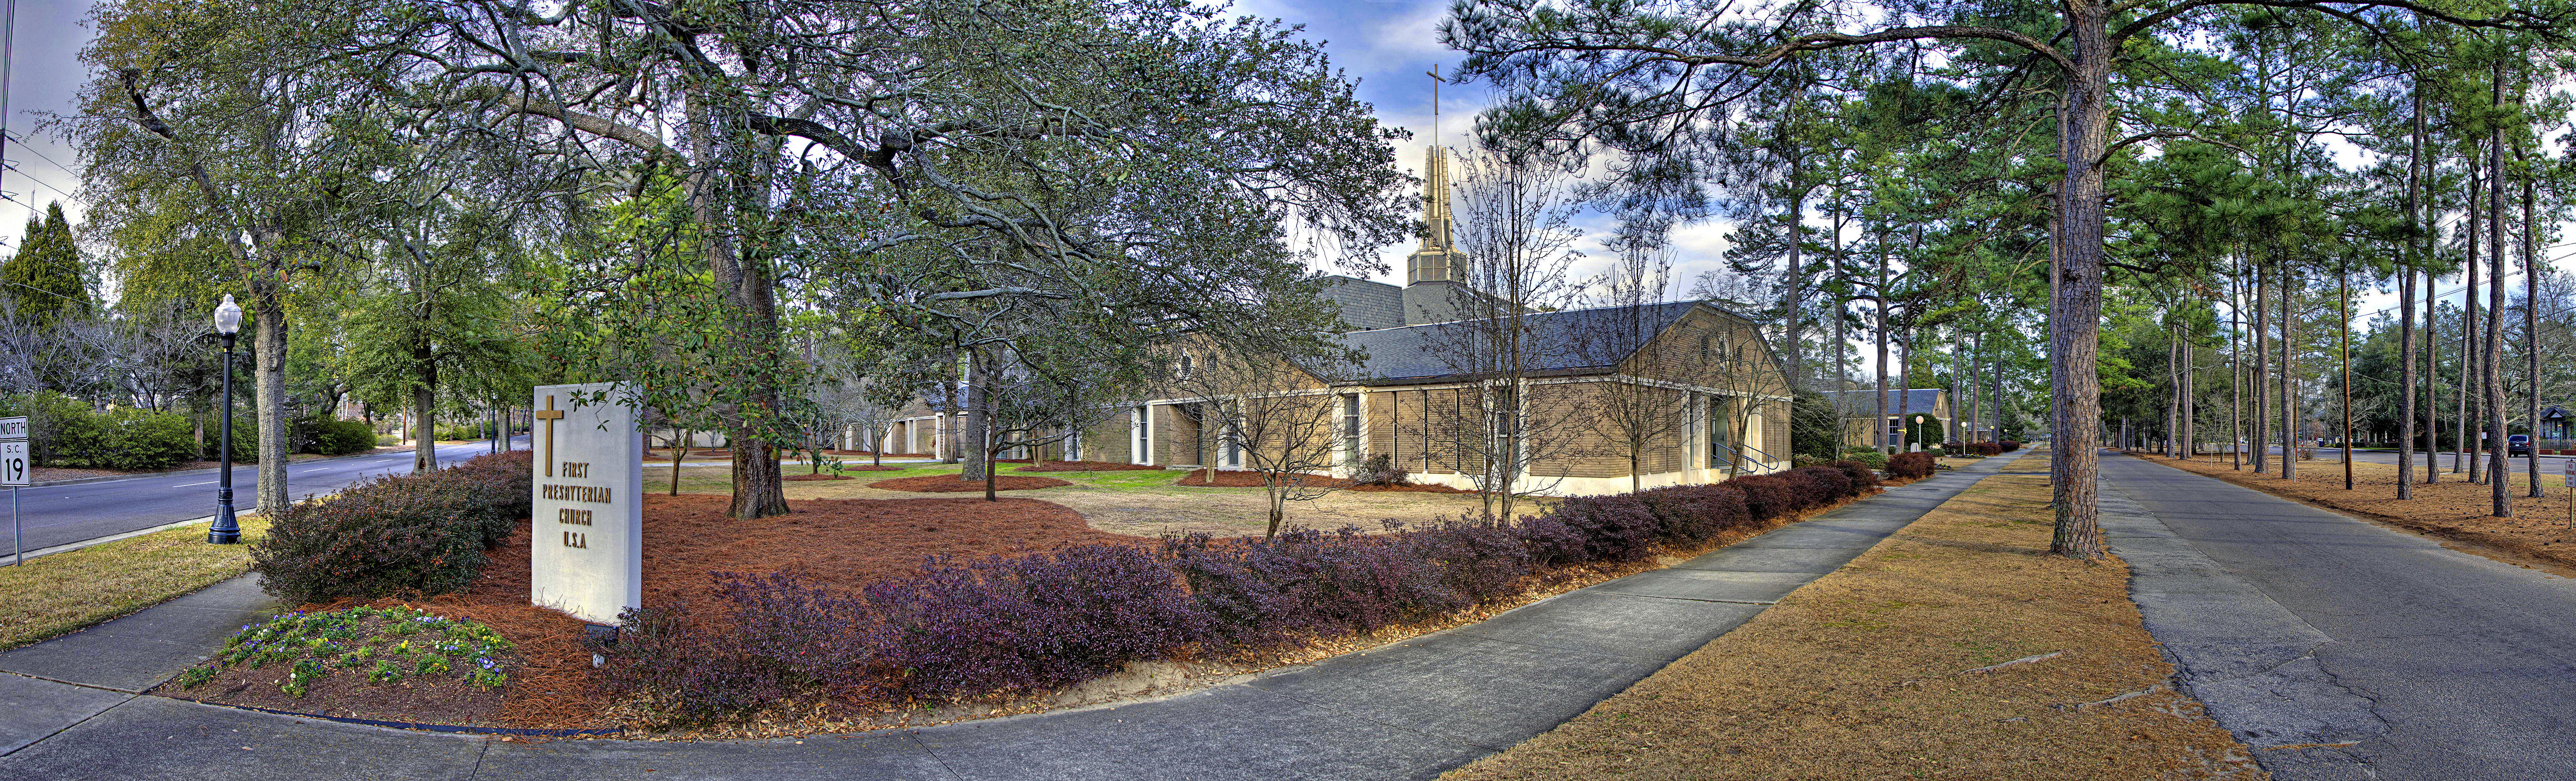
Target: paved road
(71, 513)
(2343, 650)
(2548, 464)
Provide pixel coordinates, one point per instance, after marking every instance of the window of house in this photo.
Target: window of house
(1141, 428)
(1185, 366)
(1721, 433)
(1351, 427)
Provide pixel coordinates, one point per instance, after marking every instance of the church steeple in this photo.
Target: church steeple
(1436, 261)
(1435, 200)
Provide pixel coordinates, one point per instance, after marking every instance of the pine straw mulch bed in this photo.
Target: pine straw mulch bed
(1086, 466)
(948, 483)
(1141, 680)
(1873, 672)
(2454, 509)
(843, 543)
(1198, 478)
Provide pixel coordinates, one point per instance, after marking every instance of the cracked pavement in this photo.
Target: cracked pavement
(2342, 650)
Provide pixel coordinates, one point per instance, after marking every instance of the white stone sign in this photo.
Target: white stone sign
(586, 546)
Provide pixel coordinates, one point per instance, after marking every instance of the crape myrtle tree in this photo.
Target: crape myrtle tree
(1646, 79)
(1632, 420)
(1124, 155)
(1265, 405)
(1516, 233)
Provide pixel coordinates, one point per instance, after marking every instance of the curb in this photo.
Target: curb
(448, 728)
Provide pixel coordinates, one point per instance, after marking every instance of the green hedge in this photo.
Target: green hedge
(421, 533)
(340, 437)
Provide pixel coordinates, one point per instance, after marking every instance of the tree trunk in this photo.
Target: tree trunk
(2531, 325)
(2406, 297)
(979, 421)
(2236, 368)
(2343, 317)
(678, 453)
(1880, 301)
(2075, 314)
(2499, 467)
(424, 405)
(2289, 369)
(1905, 390)
(2461, 458)
(269, 353)
(2261, 441)
(1796, 273)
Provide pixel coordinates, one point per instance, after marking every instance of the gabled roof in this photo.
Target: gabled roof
(1915, 400)
(1411, 353)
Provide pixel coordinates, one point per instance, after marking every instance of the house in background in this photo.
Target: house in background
(1871, 422)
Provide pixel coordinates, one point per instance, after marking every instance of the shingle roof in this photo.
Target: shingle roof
(1366, 304)
(1562, 342)
(1915, 400)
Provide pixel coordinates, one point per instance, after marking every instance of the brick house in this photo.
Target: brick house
(1871, 423)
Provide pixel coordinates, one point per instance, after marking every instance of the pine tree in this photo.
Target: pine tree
(45, 276)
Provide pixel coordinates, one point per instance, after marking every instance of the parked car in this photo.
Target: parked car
(2518, 445)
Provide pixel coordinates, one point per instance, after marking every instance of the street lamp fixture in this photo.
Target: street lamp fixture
(227, 530)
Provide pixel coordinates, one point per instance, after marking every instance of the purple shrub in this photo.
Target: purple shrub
(1476, 560)
(764, 639)
(1861, 475)
(1911, 466)
(1692, 514)
(1549, 541)
(1031, 622)
(1617, 527)
(1818, 485)
(1767, 496)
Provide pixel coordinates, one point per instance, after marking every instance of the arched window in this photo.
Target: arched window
(1185, 366)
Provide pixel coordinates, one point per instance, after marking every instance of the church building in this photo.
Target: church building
(1635, 396)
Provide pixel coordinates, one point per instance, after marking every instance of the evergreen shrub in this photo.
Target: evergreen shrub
(421, 533)
(333, 437)
(1911, 465)
(1871, 458)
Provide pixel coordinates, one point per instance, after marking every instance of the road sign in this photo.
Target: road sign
(14, 472)
(13, 451)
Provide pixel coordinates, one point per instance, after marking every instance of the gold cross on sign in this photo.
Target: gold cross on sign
(550, 415)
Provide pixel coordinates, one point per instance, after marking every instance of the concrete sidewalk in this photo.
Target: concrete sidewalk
(1409, 710)
(2342, 650)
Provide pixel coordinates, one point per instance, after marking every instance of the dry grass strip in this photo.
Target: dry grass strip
(66, 591)
(1870, 673)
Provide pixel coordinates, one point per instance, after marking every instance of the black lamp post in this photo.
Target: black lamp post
(227, 530)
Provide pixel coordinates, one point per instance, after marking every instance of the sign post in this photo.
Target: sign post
(586, 553)
(14, 473)
(2571, 489)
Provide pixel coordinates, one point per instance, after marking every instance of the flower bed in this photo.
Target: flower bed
(375, 660)
(948, 483)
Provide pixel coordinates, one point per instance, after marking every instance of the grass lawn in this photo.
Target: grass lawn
(70, 590)
(1145, 503)
(1866, 674)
